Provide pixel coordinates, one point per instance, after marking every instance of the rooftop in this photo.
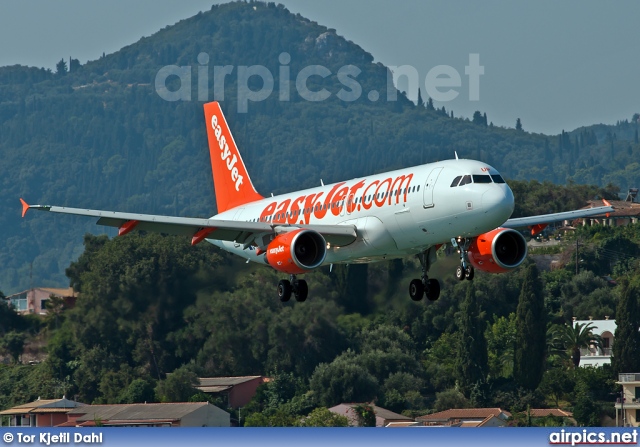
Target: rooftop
(63, 292)
(621, 208)
(225, 381)
(544, 412)
(135, 413)
(383, 413)
(44, 406)
(465, 413)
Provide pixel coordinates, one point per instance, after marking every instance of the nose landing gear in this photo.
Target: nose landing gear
(464, 270)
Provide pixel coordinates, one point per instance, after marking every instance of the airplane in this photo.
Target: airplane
(411, 211)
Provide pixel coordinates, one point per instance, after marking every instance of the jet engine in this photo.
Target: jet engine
(498, 251)
(296, 251)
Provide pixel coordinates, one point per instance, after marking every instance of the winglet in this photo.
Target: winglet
(25, 206)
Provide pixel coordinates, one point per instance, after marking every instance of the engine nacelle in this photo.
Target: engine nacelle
(498, 251)
(296, 251)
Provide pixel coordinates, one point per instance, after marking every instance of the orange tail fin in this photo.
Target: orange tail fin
(231, 180)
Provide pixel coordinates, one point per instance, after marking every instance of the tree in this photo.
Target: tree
(177, 387)
(420, 100)
(573, 338)
(61, 68)
(501, 340)
(138, 391)
(430, 105)
(556, 384)
(518, 124)
(451, 398)
(9, 318)
(477, 118)
(343, 381)
(472, 353)
(74, 64)
(12, 344)
(322, 417)
(366, 415)
(55, 306)
(530, 347)
(626, 349)
(351, 285)
(280, 418)
(586, 412)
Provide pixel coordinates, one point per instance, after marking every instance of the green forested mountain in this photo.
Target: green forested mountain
(100, 136)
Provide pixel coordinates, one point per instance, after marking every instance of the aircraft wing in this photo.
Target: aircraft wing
(538, 223)
(198, 228)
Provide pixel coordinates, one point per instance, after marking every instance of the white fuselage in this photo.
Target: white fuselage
(396, 213)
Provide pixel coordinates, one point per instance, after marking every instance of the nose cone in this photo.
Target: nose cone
(498, 201)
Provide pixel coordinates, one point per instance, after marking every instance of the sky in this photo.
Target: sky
(555, 65)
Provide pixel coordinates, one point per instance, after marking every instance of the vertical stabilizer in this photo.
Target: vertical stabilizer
(231, 180)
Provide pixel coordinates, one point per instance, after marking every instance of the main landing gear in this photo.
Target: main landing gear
(464, 270)
(294, 285)
(425, 286)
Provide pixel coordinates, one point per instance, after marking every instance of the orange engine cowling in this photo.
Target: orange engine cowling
(297, 251)
(498, 251)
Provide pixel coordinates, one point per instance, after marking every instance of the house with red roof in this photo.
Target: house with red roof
(180, 414)
(238, 390)
(466, 417)
(39, 413)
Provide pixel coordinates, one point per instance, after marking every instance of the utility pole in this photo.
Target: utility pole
(577, 256)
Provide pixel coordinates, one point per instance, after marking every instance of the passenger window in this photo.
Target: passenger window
(455, 181)
(497, 178)
(418, 188)
(465, 180)
(481, 179)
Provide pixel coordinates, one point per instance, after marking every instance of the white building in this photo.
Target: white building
(593, 356)
(628, 408)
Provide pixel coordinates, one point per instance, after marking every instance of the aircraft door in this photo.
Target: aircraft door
(349, 203)
(429, 187)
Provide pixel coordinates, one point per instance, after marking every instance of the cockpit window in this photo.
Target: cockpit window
(497, 178)
(466, 179)
(481, 179)
(455, 181)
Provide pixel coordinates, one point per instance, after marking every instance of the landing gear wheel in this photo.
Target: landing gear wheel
(469, 273)
(433, 290)
(302, 291)
(416, 290)
(460, 273)
(284, 290)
